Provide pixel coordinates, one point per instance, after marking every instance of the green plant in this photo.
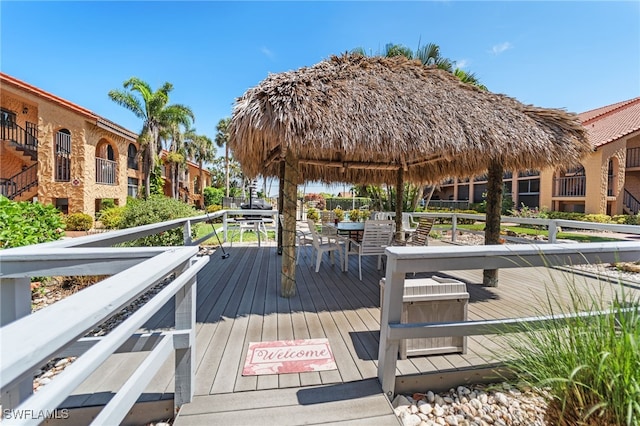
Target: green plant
(214, 208)
(597, 218)
(79, 222)
(313, 214)
(156, 209)
(23, 223)
(108, 203)
(213, 196)
(589, 364)
(111, 217)
(354, 215)
(339, 214)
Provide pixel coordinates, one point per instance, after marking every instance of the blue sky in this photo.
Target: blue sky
(573, 55)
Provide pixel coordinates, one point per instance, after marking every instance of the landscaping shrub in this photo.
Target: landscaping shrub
(313, 214)
(565, 215)
(79, 222)
(23, 223)
(315, 201)
(111, 217)
(591, 366)
(108, 203)
(214, 208)
(339, 214)
(213, 196)
(355, 215)
(157, 208)
(597, 218)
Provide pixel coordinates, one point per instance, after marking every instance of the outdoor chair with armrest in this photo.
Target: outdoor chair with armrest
(376, 238)
(303, 239)
(408, 224)
(420, 237)
(320, 248)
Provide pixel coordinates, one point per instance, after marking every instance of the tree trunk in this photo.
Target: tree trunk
(399, 193)
(494, 209)
(226, 166)
(288, 276)
(281, 204)
(146, 169)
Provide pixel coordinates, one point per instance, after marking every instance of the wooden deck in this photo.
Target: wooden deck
(238, 302)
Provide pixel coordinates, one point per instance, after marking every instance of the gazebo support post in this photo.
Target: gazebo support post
(290, 194)
(399, 196)
(280, 205)
(494, 210)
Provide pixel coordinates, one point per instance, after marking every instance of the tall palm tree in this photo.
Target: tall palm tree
(200, 149)
(222, 139)
(156, 113)
(176, 153)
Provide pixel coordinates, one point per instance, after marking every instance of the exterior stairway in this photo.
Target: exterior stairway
(631, 205)
(22, 186)
(22, 142)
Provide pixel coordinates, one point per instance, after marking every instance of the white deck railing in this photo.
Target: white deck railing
(552, 225)
(401, 260)
(29, 340)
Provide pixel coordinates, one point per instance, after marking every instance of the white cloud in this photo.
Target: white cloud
(268, 53)
(499, 48)
(462, 63)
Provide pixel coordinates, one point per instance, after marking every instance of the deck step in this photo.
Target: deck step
(360, 402)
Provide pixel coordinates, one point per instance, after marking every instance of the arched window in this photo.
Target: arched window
(62, 155)
(132, 157)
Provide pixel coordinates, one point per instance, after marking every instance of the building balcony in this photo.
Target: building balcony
(105, 171)
(574, 186)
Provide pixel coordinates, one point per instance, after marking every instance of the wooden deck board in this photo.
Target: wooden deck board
(238, 302)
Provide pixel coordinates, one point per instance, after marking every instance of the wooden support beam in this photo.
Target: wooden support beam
(288, 275)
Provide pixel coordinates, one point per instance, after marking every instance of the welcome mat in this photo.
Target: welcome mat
(288, 356)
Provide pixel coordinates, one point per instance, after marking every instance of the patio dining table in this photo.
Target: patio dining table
(352, 229)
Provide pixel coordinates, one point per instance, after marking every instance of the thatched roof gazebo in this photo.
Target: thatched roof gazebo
(372, 120)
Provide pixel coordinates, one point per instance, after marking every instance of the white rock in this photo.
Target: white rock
(430, 397)
(501, 399)
(400, 400)
(410, 419)
(413, 409)
(438, 411)
(439, 400)
(451, 420)
(63, 361)
(483, 397)
(425, 408)
(448, 400)
(475, 403)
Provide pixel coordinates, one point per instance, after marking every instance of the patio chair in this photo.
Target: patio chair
(420, 237)
(320, 248)
(328, 232)
(408, 224)
(303, 239)
(376, 238)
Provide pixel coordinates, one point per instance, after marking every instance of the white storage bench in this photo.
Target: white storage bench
(434, 299)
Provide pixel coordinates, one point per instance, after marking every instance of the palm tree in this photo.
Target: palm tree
(222, 139)
(200, 149)
(176, 153)
(152, 107)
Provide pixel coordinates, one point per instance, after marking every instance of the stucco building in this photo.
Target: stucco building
(607, 182)
(57, 152)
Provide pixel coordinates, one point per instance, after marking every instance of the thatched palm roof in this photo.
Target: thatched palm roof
(359, 119)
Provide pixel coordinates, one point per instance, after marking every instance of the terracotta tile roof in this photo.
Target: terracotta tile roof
(612, 122)
(6, 79)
